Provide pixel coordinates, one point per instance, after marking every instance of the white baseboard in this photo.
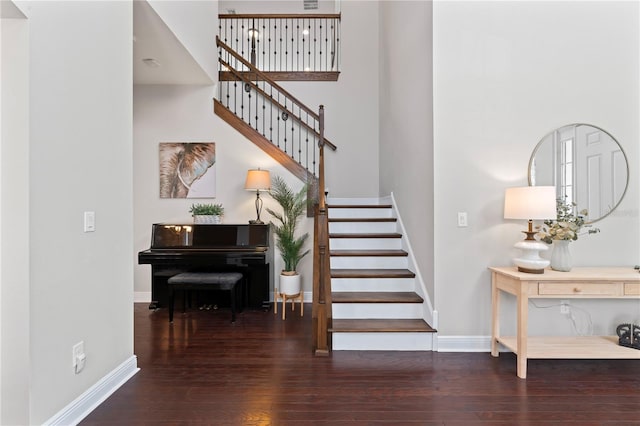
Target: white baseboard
(145, 297)
(83, 405)
(141, 297)
(464, 343)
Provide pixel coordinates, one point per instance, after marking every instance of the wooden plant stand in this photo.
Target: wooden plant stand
(284, 297)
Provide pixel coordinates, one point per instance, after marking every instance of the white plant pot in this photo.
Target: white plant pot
(289, 284)
(206, 219)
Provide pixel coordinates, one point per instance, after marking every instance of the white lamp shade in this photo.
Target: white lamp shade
(530, 202)
(258, 180)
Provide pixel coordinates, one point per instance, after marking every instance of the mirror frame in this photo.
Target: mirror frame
(624, 154)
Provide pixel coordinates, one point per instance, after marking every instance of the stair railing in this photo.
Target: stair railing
(284, 42)
(321, 308)
(270, 110)
(268, 99)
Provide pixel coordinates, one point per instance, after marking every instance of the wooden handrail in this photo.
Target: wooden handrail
(279, 88)
(321, 309)
(283, 16)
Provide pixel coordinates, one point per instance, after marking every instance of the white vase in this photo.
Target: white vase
(561, 256)
(289, 284)
(207, 219)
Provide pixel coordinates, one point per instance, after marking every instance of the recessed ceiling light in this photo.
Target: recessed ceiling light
(152, 63)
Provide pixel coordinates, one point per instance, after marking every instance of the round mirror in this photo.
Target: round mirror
(587, 166)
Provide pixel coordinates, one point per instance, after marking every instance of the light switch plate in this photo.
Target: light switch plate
(462, 219)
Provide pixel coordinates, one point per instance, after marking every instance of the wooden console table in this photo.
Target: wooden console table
(580, 283)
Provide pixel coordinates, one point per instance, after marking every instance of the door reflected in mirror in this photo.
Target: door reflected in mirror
(587, 166)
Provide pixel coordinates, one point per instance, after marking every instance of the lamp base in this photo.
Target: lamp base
(256, 222)
(530, 271)
(530, 261)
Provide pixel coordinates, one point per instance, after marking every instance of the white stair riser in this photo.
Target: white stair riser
(376, 310)
(373, 262)
(362, 227)
(382, 341)
(365, 243)
(359, 213)
(368, 284)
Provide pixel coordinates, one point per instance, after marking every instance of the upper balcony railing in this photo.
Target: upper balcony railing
(286, 47)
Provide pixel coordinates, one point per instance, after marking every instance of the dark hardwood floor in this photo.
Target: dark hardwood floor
(203, 370)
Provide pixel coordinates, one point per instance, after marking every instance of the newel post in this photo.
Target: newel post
(321, 309)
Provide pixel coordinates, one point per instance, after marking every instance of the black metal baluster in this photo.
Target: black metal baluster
(338, 46)
(257, 110)
(297, 36)
(269, 21)
(320, 56)
(315, 149)
(306, 142)
(278, 122)
(326, 46)
(271, 114)
(299, 137)
(263, 62)
(286, 46)
(235, 96)
(310, 48)
(280, 50)
(292, 134)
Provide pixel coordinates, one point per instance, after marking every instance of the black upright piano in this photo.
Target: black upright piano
(177, 248)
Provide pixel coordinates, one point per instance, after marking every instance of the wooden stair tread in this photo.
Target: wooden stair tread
(380, 325)
(376, 297)
(367, 235)
(369, 253)
(363, 219)
(359, 206)
(372, 273)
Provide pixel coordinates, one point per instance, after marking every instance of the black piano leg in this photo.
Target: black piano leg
(153, 305)
(170, 304)
(232, 296)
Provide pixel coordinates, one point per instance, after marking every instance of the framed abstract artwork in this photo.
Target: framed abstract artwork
(187, 170)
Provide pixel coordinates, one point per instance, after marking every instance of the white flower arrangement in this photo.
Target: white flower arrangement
(567, 225)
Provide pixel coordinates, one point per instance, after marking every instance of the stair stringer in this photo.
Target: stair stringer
(430, 315)
(270, 149)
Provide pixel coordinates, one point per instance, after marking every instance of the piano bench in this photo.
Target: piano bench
(205, 281)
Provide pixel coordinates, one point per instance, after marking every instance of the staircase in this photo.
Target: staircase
(366, 294)
(376, 301)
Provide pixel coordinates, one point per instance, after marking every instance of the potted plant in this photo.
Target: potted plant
(207, 213)
(291, 247)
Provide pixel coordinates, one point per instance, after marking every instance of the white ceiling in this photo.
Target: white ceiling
(153, 39)
(8, 10)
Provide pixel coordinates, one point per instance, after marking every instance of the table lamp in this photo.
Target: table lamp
(258, 180)
(530, 203)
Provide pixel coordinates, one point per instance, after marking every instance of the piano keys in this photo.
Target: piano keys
(177, 248)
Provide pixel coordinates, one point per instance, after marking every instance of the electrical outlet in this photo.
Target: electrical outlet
(78, 357)
(564, 307)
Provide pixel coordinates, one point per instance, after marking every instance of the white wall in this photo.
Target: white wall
(406, 121)
(185, 114)
(14, 223)
(505, 74)
(351, 105)
(80, 113)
